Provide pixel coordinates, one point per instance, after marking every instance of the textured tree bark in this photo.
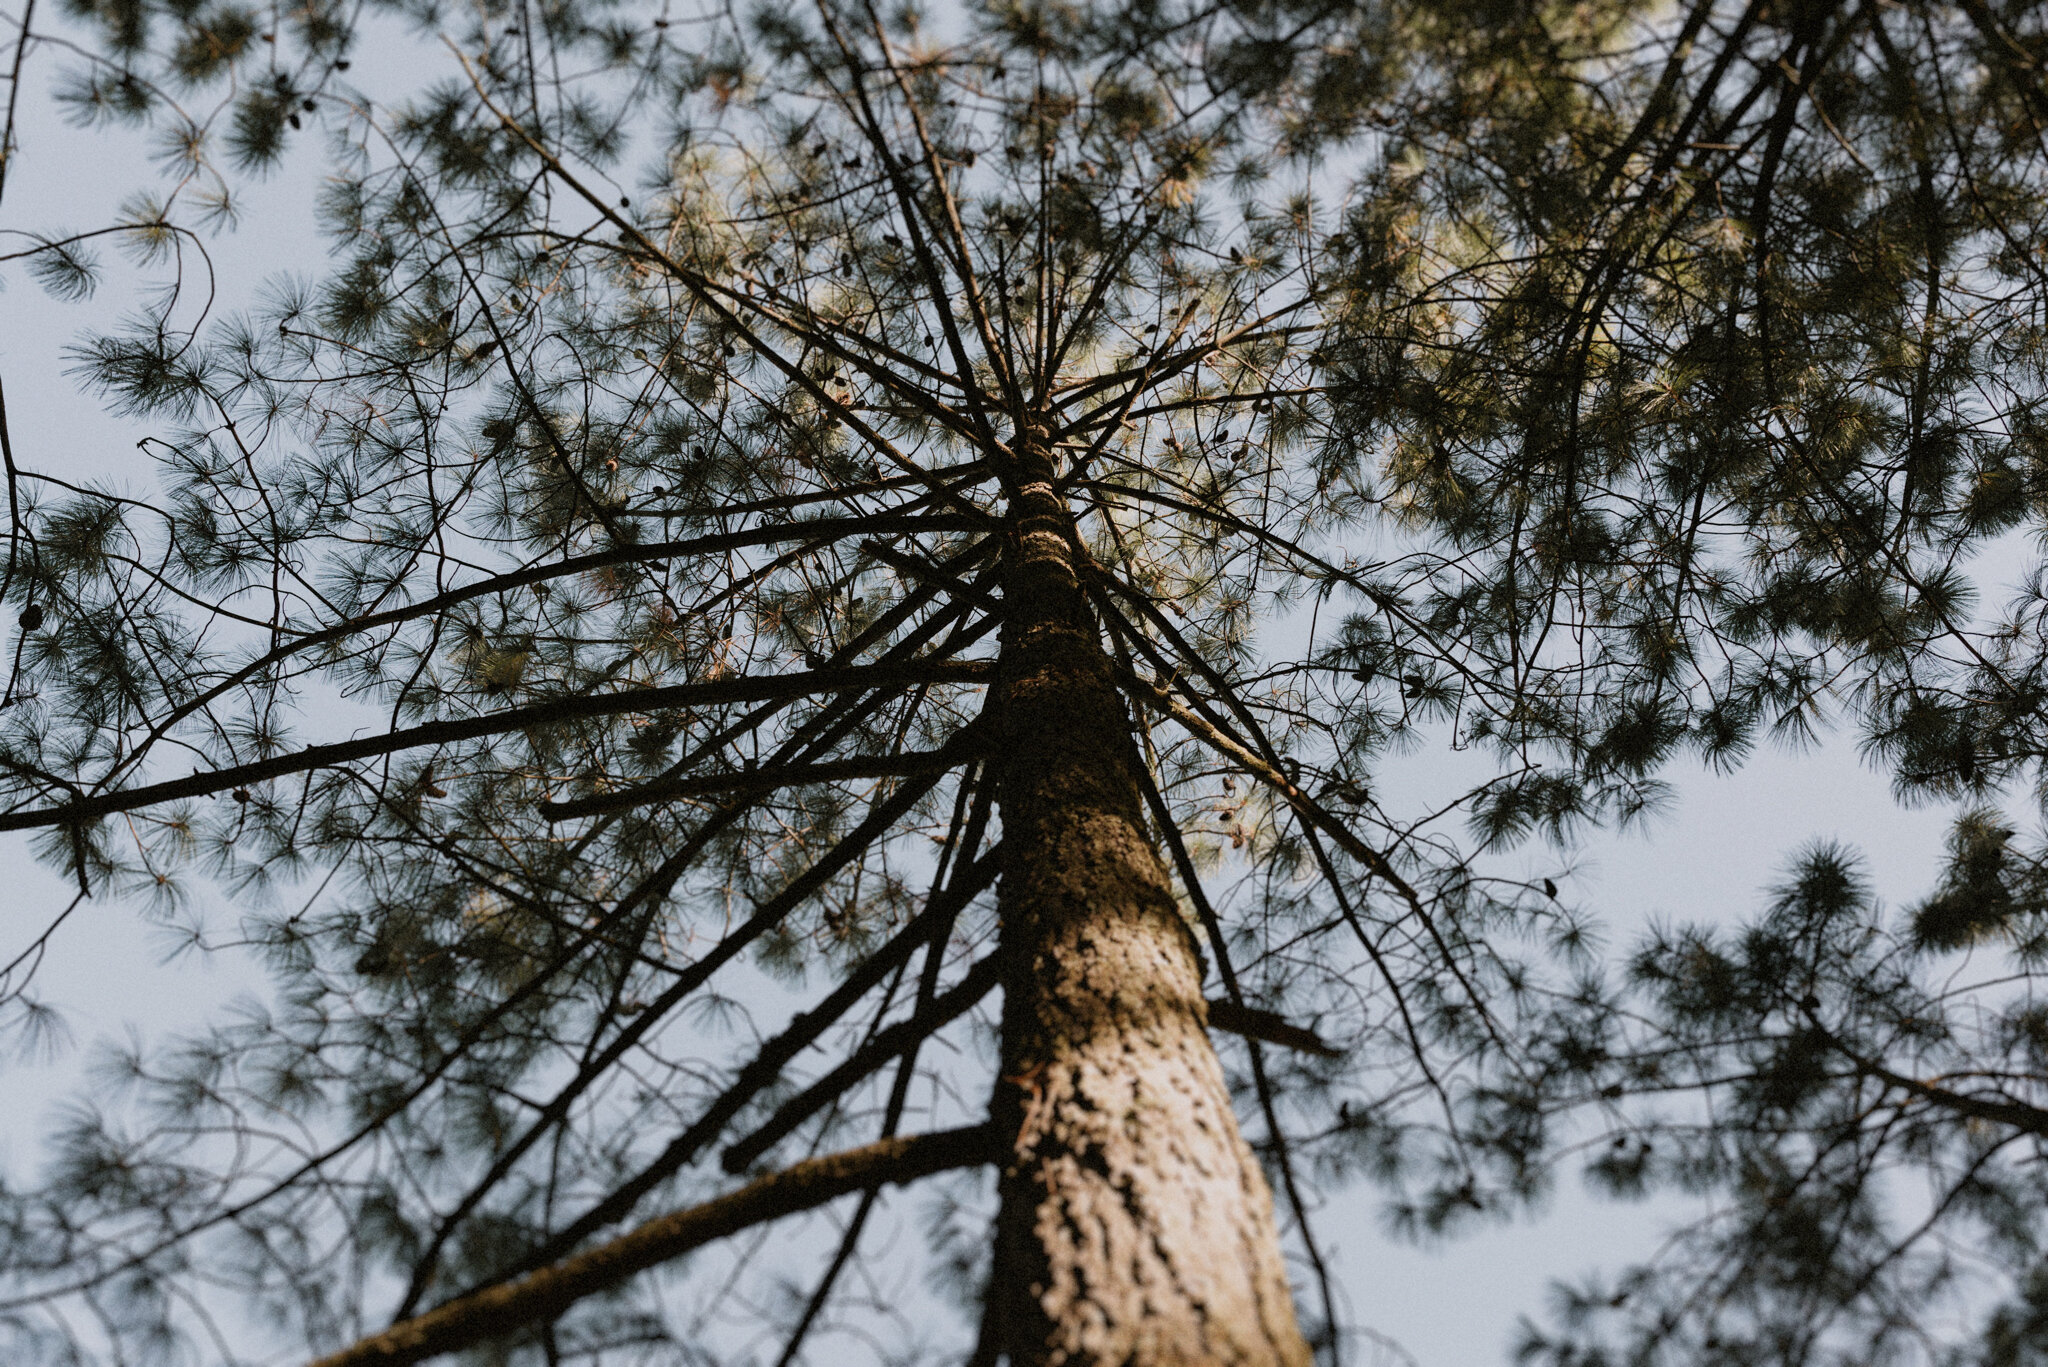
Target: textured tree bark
(1135, 1226)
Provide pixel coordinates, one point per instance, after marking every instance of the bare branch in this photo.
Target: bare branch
(752, 689)
(546, 1294)
(784, 776)
(1253, 1023)
(930, 926)
(885, 1046)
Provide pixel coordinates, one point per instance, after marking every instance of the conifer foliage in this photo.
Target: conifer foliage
(1721, 372)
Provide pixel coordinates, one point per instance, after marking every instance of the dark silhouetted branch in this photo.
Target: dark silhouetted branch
(775, 1055)
(953, 1002)
(546, 1294)
(785, 776)
(754, 689)
(1252, 1023)
(931, 576)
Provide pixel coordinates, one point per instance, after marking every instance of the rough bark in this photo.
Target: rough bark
(1135, 1226)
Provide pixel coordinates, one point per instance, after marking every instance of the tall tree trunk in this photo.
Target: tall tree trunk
(1135, 1226)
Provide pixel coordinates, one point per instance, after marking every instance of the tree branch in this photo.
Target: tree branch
(803, 1031)
(878, 1051)
(1161, 699)
(931, 576)
(546, 1294)
(751, 689)
(786, 776)
(1253, 1023)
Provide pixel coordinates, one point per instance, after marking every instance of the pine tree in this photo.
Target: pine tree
(863, 499)
(835, 553)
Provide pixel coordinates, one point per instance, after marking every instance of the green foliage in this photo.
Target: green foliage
(1861, 1105)
(1718, 369)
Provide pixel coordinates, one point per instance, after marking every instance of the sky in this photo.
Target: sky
(1707, 857)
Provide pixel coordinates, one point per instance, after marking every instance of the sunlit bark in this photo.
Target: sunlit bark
(1135, 1225)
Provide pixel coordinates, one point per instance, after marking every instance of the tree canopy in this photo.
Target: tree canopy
(772, 531)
